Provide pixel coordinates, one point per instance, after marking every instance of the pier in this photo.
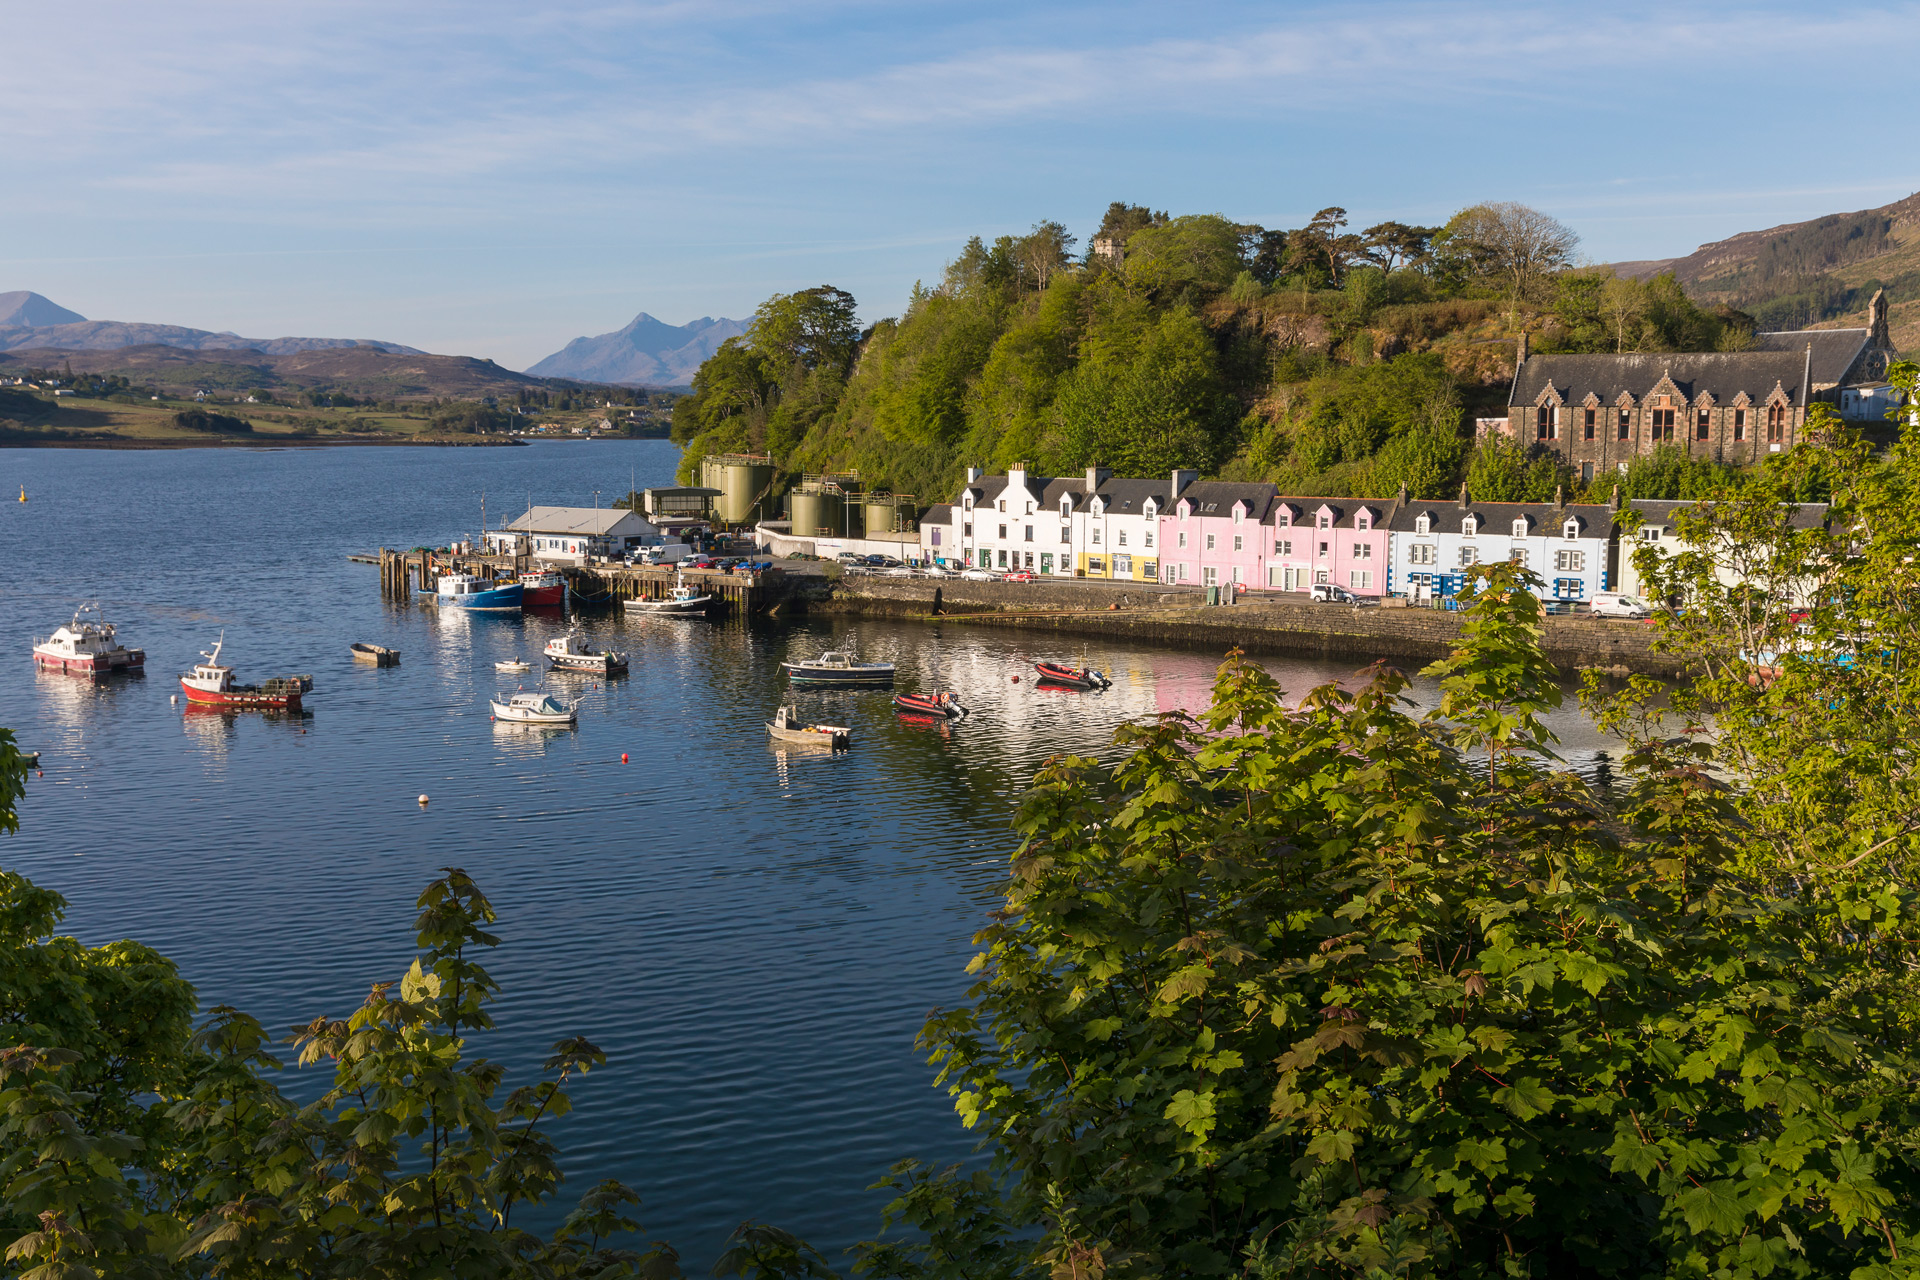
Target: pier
(405, 573)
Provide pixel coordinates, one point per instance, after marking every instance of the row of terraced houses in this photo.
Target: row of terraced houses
(1182, 530)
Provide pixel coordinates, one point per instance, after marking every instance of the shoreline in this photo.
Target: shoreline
(262, 442)
(1151, 615)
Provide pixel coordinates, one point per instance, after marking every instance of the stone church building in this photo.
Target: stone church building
(1598, 412)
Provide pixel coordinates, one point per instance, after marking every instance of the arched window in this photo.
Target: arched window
(1776, 421)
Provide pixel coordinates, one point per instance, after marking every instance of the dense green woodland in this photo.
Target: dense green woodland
(1326, 360)
(1298, 987)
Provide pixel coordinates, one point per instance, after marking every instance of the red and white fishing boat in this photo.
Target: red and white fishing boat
(86, 646)
(544, 589)
(210, 684)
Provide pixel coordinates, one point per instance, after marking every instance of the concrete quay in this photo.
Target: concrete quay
(1258, 624)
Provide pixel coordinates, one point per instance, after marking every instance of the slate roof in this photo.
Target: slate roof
(1345, 510)
(1723, 373)
(1216, 498)
(1663, 512)
(1496, 518)
(986, 490)
(1074, 489)
(575, 520)
(1129, 497)
(1834, 350)
(938, 513)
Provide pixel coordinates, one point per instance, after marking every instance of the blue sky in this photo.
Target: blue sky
(495, 179)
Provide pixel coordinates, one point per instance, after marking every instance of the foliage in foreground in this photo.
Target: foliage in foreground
(1343, 990)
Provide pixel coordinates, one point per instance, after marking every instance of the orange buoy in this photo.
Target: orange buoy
(1016, 679)
(623, 757)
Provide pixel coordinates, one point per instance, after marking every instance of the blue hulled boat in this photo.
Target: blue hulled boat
(464, 591)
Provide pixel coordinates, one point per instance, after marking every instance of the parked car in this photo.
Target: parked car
(938, 571)
(899, 571)
(851, 557)
(1328, 593)
(977, 575)
(1022, 575)
(1617, 604)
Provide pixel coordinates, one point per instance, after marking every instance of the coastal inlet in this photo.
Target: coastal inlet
(754, 935)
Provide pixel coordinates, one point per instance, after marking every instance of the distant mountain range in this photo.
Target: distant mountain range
(647, 353)
(361, 370)
(28, 320)
(1822, 271)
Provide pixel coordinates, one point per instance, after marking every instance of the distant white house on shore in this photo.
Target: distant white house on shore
(571, 534)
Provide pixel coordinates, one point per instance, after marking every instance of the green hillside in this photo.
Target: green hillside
(1323, 359)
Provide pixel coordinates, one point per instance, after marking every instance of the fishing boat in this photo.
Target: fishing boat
(377, 654)
(465, 591)
(1071, 677)
(681, 602)
(535, 708)
(786, 727)
(839, 670)
(86, 645)
(571, 652)
(931, 704)
(543, 589)
(516, 666)
(211, 684)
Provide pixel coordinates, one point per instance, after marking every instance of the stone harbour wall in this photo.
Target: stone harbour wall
(1289, 625)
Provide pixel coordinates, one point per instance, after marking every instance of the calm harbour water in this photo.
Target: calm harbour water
(753, 937)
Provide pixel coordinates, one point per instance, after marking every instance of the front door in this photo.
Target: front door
(1046, 562)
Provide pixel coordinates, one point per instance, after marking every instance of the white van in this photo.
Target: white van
(667, 553)
(1615, 604)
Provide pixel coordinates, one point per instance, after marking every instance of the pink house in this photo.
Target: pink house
(1213, 535)
(1337, 541)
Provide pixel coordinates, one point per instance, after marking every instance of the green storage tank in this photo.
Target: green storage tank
(883, 514)
(817, 513)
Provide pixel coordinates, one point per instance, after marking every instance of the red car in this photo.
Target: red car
(1021, 575)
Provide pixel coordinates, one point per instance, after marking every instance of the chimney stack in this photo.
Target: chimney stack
(973, 474)
(1097, 476)
(1181, 479)
(1525, 342)
(1464, 503)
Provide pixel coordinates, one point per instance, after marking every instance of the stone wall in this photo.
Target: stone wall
(1258, 624)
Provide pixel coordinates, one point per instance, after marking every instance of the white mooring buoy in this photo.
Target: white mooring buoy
(423, 800)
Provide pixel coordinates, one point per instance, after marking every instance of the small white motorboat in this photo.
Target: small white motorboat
(571, 652)
(535, 708)
(516, 666)
(786, 727)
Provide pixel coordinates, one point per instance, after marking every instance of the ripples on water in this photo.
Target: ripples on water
(754, 936)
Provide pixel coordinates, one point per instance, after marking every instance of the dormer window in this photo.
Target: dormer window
(968, 503)
(1573, 529)
(1469, 527)
(1363, 521)
(1520, 528)
(1423, 525)
(1066, 509)
(1239, 513)
(1003, 504)
(1029, 508)
(1326, 521)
